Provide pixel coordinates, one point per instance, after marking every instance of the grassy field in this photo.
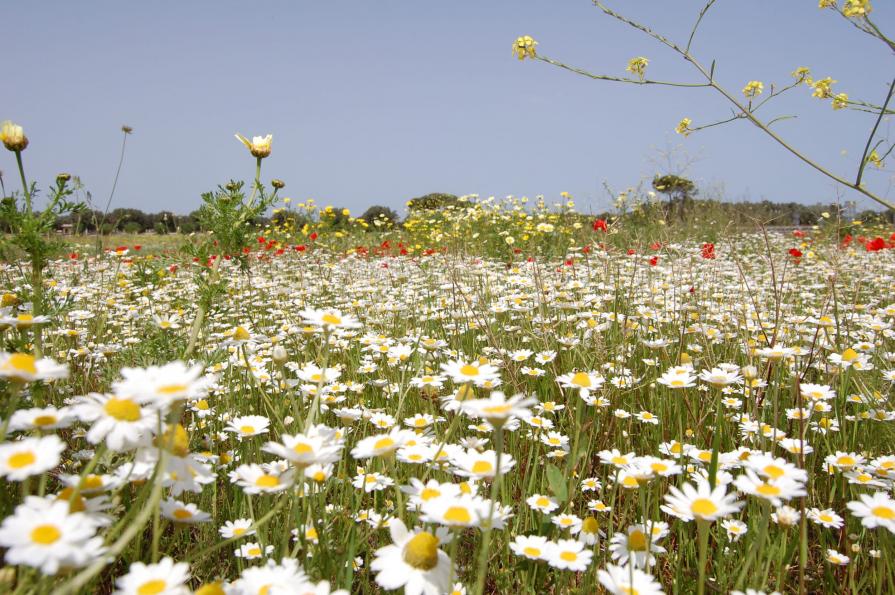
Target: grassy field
(485, 401)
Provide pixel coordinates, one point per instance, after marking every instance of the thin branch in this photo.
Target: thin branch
(617, 79)
(863, 163)
(702, 12)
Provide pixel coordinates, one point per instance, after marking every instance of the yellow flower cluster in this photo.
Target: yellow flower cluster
(683, 127)
(638, 66)
(823, 89)
(856, 8)
(753, 89)
(524, 47)
(840, 101)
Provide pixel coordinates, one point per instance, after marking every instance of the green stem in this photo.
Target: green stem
(486, 538)
(24, 183)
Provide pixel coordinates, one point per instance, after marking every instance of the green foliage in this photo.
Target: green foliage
(384, 215)
(433, 202)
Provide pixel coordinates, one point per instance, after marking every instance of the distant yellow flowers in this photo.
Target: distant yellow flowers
(683, 127)
(259, 146)
(753, 89)
(638, 66)
(13, 137)
(524, 47)
(823, 89)
(857, 8)
(840, 101)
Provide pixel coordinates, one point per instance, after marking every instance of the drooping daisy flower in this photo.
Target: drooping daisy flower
(413, 561)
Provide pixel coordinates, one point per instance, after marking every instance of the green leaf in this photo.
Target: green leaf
(557, 483)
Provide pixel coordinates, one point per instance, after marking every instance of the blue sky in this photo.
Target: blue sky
(378, 102)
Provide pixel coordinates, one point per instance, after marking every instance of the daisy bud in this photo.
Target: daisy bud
(749, 372)
(279, 355)
(13, 137)
(63, 178)
(278, 184)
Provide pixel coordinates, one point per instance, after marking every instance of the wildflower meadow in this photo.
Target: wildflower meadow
(490, 396)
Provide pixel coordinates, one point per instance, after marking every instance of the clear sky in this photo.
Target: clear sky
(378, 102)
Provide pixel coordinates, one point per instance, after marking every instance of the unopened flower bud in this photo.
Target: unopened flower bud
(749, 372)
(13, 137)
(63, 178)
(276, 183)
(279, 355)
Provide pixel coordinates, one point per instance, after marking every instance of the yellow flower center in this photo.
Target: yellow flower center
(703, 507)
(182, 514)
(330, 318)
(302, 449)
(766, 489)
(482, 467)
(845, 461)
(532, 552)
(849, 355)
(122, 409)
(569, 556)
(44, 420)
(590, 525)
(152, 587)
(171, 389)
(21, 459)
(421, 552)
(21, 362)
(637, 541)
(383, 443)
(241, 334)
(884, 512)
(79, 505)
(45, 534)
(581, 379)
(773, 471)
(247, 429)
(267, 481)
(469, 370)
(457, 514)
(429, 493)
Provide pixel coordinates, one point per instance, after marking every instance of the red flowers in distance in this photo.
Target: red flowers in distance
(708, 251)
